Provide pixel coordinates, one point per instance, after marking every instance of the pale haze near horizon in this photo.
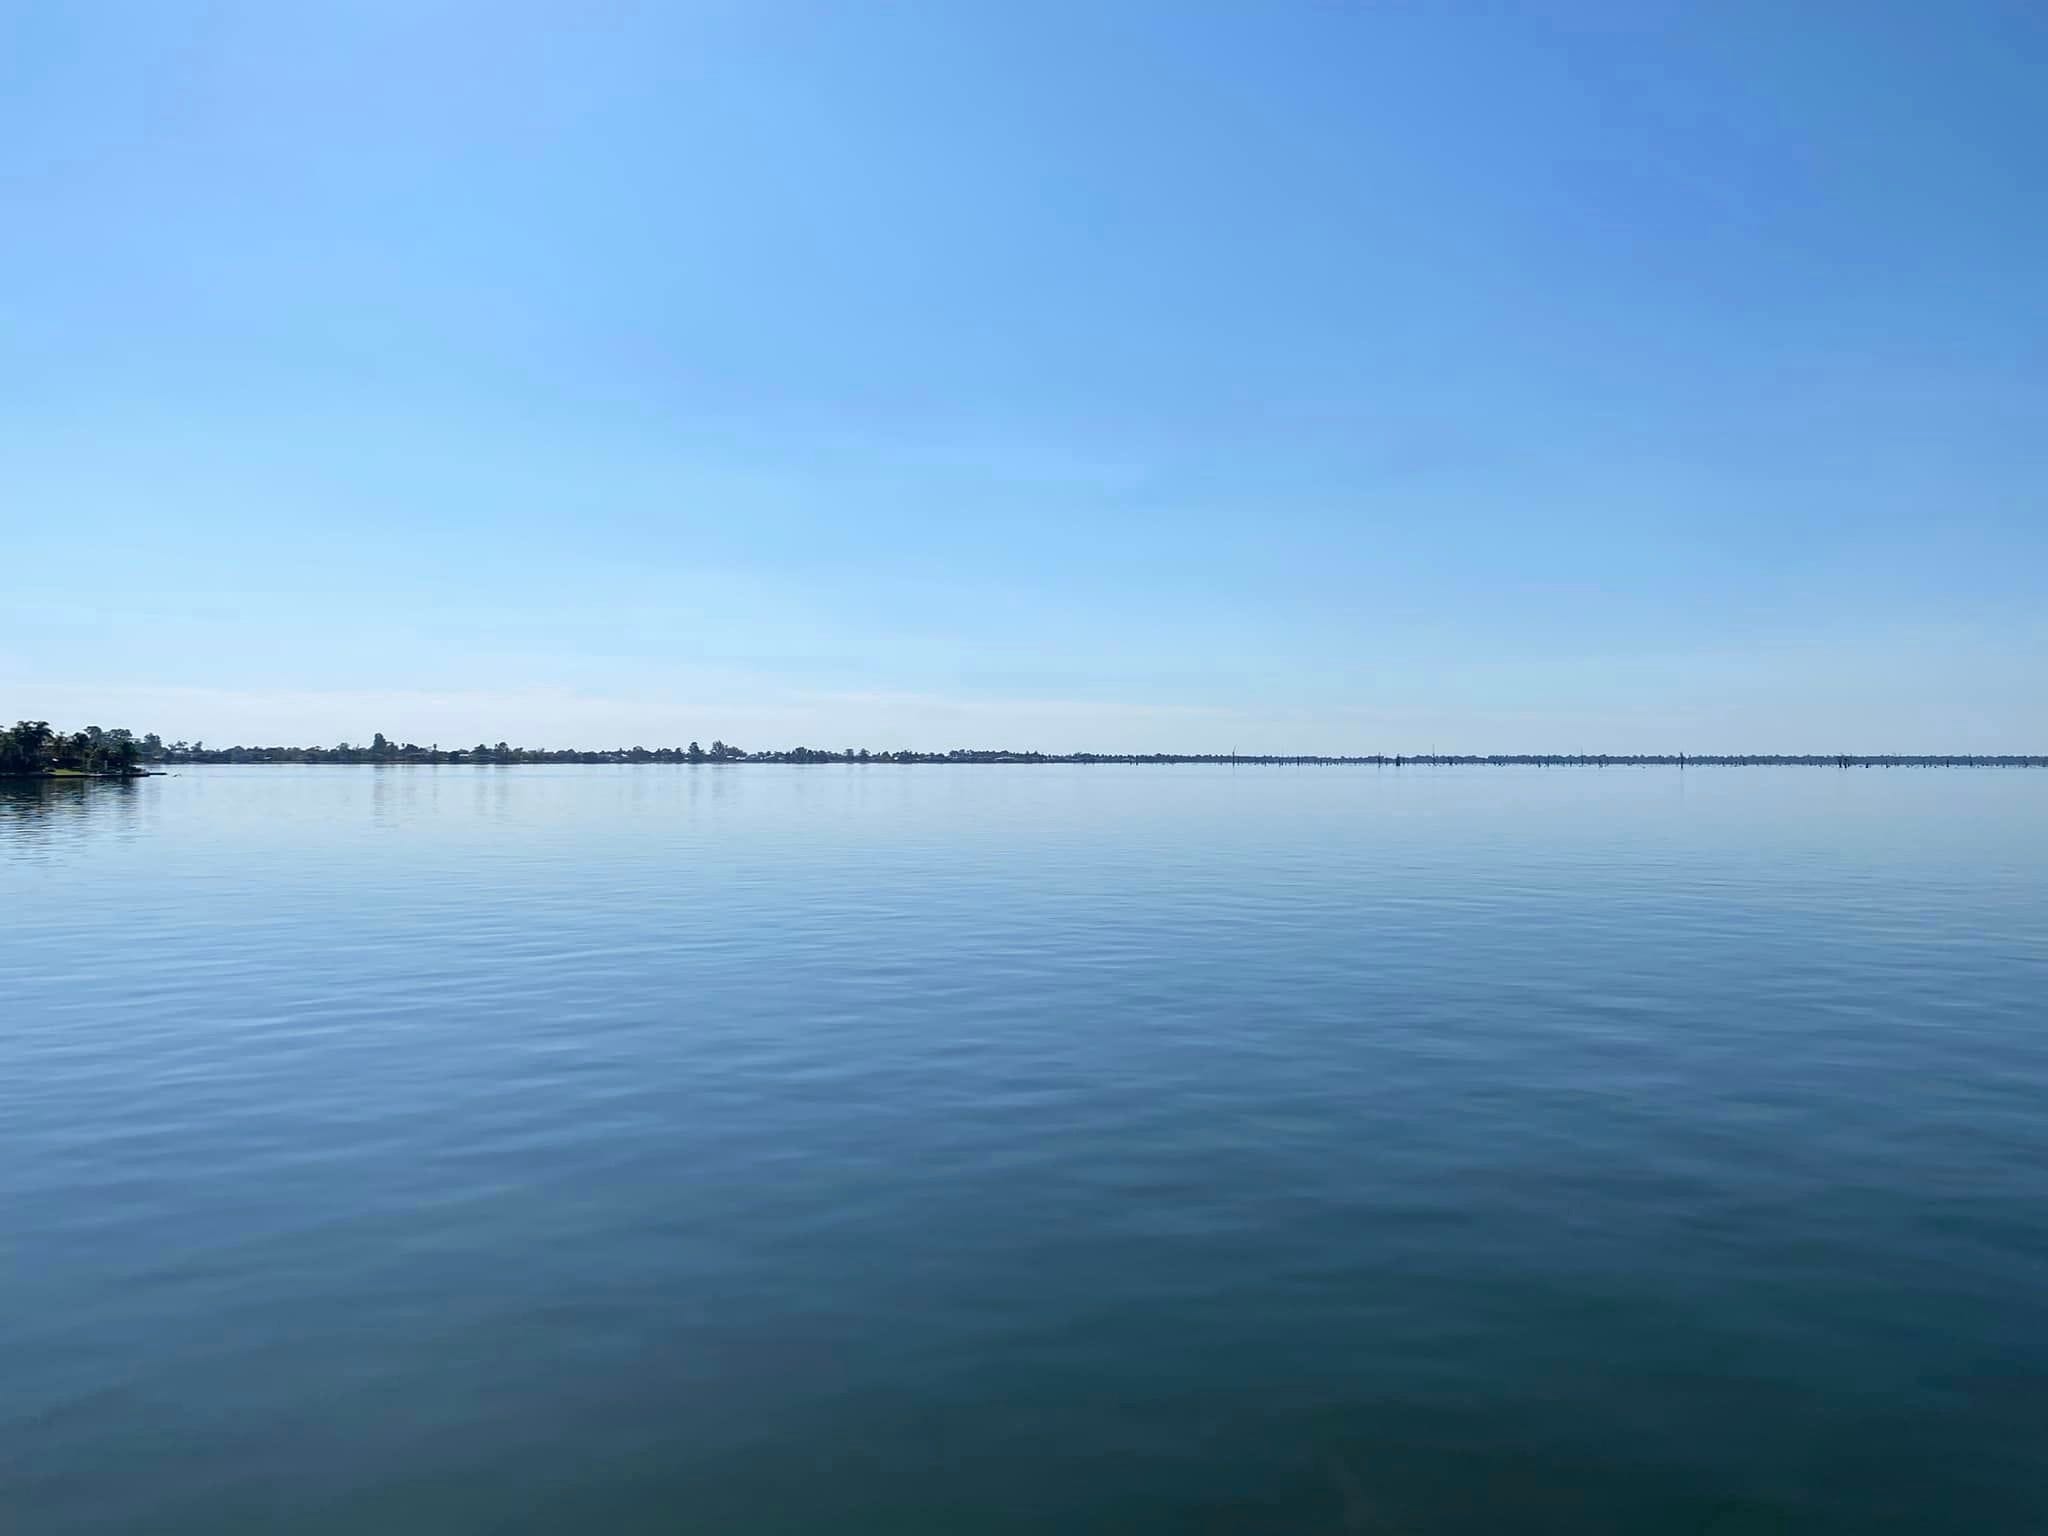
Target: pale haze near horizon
(1318, 378)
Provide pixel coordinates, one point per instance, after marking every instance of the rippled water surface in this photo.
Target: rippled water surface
(922, 1150)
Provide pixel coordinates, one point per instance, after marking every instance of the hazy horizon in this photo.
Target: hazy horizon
(1325, 379)
(852, 742)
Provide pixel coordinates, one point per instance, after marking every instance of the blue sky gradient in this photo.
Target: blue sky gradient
(1322, 377)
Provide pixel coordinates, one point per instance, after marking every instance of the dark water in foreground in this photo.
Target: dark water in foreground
(1061, 1149)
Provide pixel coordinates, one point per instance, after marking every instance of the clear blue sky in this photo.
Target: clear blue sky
(1338, 375)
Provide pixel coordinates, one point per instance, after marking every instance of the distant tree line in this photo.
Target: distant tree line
(32, 747)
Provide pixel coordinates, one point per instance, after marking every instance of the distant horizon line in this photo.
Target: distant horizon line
(722, 755)
(151, 747)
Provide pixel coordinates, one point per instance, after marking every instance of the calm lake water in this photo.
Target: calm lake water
(1062, 1149)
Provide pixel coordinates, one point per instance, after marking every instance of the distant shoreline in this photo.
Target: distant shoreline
(803, 758)
(32, 750)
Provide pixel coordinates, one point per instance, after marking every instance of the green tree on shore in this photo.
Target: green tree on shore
(27, 748)
(30, 746)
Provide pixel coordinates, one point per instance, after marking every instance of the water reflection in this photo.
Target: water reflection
(39, 814)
